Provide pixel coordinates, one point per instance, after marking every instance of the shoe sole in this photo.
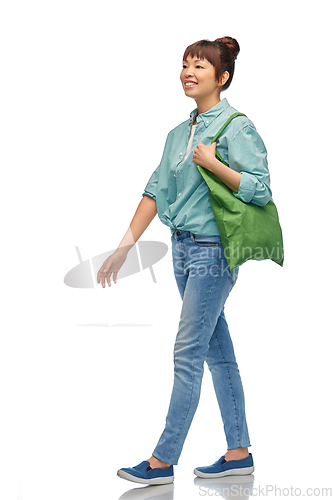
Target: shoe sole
(231, 472)
(154, 480)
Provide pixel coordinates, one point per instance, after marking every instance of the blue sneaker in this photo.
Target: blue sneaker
(223, 467)
(144, 474)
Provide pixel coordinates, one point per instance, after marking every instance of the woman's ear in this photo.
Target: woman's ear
(224, 78)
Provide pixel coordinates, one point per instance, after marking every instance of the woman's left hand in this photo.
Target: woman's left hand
(204, 155)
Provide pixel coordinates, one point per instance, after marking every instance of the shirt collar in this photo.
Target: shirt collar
(211, 114)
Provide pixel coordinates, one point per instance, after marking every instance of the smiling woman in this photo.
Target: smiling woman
(178, 194)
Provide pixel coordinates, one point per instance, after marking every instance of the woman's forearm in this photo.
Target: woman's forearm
(230, 177)
(143, 216)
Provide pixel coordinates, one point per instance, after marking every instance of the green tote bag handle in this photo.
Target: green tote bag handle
(247, 231)
(225, 124)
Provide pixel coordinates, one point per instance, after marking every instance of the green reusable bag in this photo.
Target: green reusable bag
(247, 231)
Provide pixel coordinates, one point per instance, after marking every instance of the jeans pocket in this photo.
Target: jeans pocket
(204, 253)
(202, 240)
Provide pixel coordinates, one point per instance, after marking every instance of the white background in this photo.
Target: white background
(89, 91)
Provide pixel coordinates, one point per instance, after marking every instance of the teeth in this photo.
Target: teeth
(190, 83)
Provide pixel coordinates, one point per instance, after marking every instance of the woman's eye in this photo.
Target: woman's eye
(197, 66)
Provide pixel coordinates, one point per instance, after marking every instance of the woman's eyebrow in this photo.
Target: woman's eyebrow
(196, 60)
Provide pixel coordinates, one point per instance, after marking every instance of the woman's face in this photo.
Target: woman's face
(200, 75)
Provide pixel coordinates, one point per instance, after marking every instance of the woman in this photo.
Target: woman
(178, 193)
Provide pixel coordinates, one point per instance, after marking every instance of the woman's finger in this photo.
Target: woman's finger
(102, 280)
(99, 274)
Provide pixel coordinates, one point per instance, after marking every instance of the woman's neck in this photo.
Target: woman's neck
(207, 104)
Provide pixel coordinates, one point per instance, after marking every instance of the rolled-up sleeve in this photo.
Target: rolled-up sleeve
(247, 154)
(152, 184)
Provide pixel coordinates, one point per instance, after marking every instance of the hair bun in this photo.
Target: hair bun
(231, 43)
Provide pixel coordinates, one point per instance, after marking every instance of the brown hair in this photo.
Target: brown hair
(221, 53)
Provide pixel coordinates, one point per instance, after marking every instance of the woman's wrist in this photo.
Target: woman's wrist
(124, 249)
(230, 177)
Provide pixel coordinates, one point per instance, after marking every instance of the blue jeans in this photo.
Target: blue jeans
(204, 281)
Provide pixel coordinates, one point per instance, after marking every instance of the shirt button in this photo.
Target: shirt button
(179, 194)
(174, 175)
(180, 154)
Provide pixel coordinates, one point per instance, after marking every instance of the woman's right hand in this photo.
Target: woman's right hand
(112, 266)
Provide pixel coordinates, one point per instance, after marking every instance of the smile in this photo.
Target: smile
(189, 84)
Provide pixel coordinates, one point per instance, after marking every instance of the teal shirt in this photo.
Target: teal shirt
(180, 191)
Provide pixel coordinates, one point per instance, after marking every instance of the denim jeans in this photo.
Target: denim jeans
(204, 281)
